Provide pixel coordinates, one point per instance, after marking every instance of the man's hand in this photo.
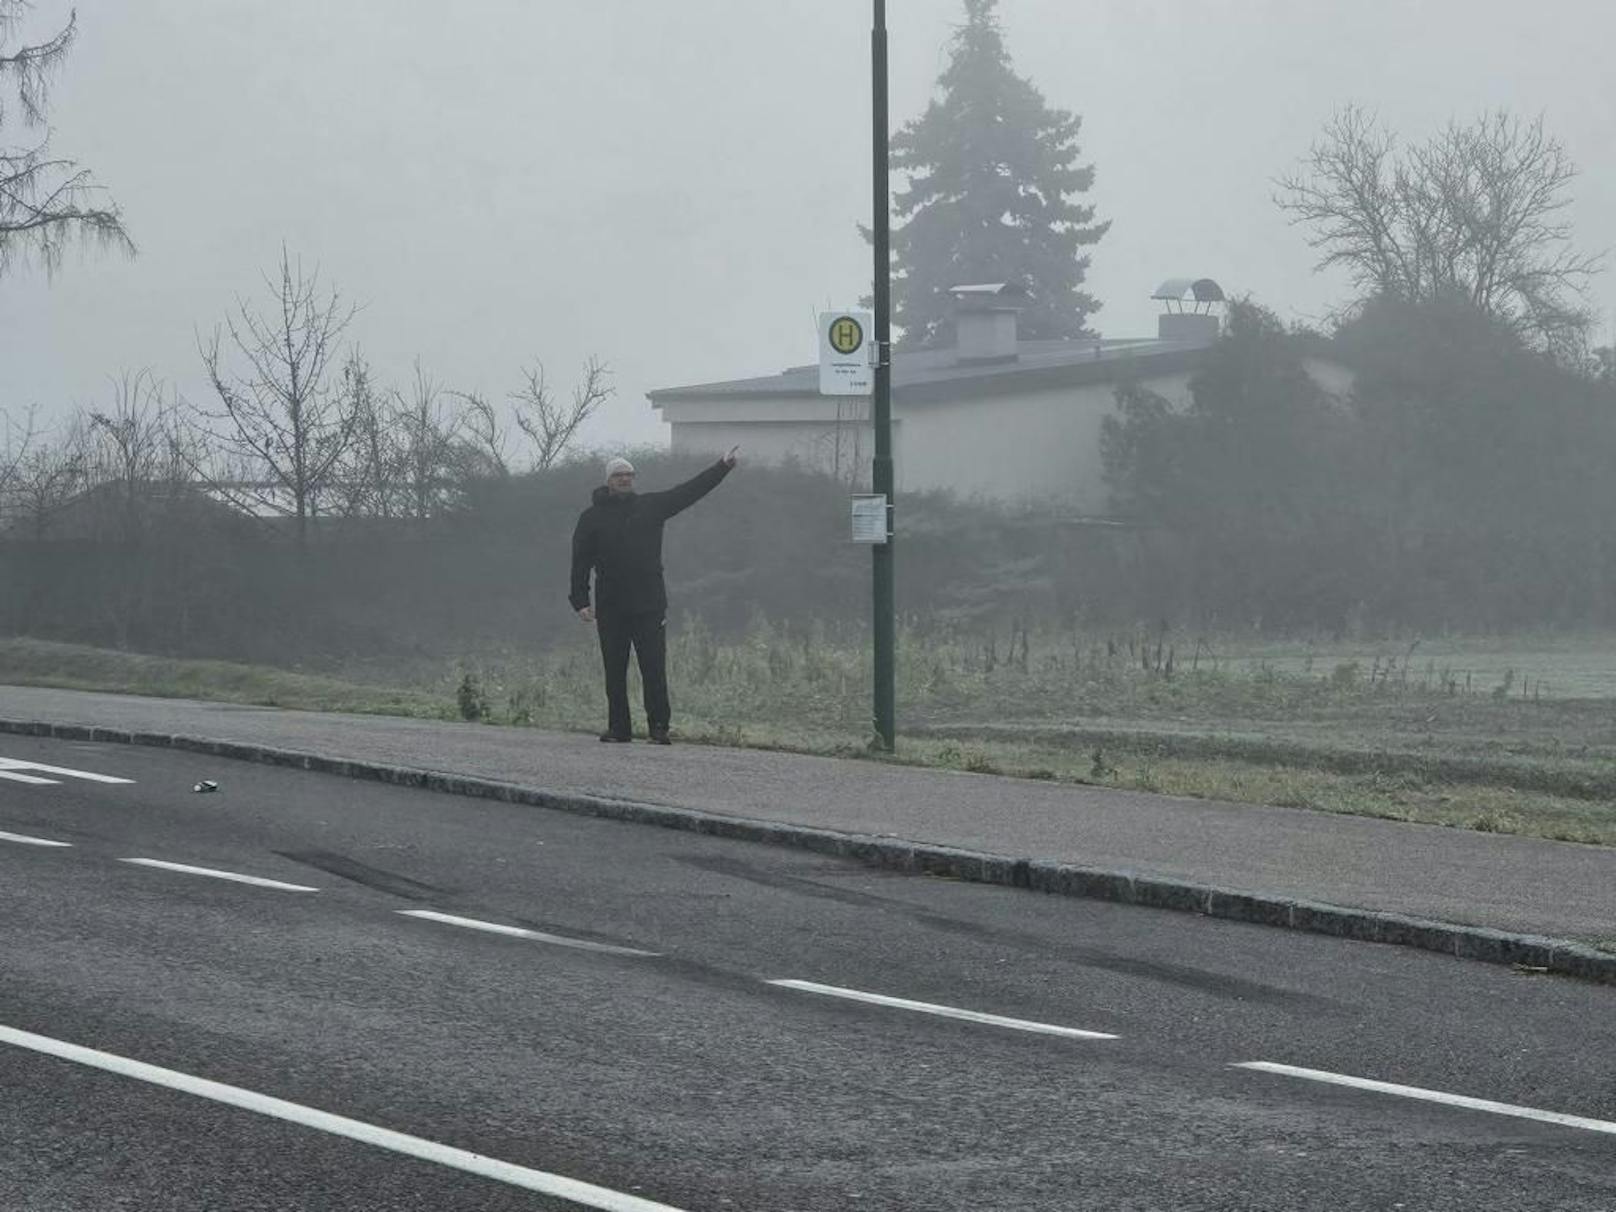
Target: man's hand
(732, 457)
(587, 614)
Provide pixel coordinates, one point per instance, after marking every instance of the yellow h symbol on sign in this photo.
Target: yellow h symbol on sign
(846, 335)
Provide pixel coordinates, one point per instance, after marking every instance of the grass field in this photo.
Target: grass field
(1507, 736)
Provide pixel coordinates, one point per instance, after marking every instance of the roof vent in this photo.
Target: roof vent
(1198, 326)
(985, 321)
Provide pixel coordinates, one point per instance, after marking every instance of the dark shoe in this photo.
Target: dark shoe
(659, 736)
(615, 738)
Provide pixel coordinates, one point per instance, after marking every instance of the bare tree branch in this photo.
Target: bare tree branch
(29, 68)
(280, 414)
(41, 476)
(17, 438)
(429, 434)
(482, 447)
(1475, 213)
(45, 201)
(551, 426)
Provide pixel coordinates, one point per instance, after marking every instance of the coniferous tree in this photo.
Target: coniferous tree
(992, 172)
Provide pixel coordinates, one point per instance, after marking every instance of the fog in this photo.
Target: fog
(674, 188)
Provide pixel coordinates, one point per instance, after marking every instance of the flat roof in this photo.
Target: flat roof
(938, 374)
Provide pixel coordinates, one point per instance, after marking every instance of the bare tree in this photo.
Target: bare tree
(130, 502)
(131, 445)
(842, 447)
(16, 438)
(483, 445)
(402, 458)
(428, 434)
(44, 476)
(367, 479)
(281, 419)
(550, 425)
(44, 200)
(1476, 214)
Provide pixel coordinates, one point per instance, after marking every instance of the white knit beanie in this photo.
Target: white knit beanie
(613, 466)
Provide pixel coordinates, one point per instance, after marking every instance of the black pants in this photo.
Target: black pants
(648, 634)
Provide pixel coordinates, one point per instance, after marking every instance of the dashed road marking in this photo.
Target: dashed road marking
(537, 936)
(15, 766)
(587, 1194)
(255, 880)
(25, 840)
(1433, 1096)
(33, 780)
(970, 1016)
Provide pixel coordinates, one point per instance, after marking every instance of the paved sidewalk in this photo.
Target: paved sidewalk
(1485, 895)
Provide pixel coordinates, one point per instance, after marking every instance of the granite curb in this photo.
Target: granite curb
(1536, 952)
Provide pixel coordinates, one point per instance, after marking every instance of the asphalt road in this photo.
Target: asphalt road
(1516, 884)
(631, 1038)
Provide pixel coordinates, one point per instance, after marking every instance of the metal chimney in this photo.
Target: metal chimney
(1199, 326)
(985, 321)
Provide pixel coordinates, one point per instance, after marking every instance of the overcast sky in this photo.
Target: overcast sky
(673, 187)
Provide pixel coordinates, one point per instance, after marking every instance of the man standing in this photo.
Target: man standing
(620, 537)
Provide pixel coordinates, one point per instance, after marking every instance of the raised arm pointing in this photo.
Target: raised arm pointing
(682, 496)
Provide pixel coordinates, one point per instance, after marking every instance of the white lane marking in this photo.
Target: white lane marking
(517, 932)
(31, 780)
(256, 881)
(970, 1016)
(587, 1194)
(30, 841)
(16, 764)
(1433, 1096)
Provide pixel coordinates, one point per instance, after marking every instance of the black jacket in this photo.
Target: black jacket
(620, 538)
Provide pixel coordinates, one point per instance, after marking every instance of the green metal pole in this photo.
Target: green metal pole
(885, 631)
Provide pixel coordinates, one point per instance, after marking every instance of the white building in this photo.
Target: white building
(994, 417)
